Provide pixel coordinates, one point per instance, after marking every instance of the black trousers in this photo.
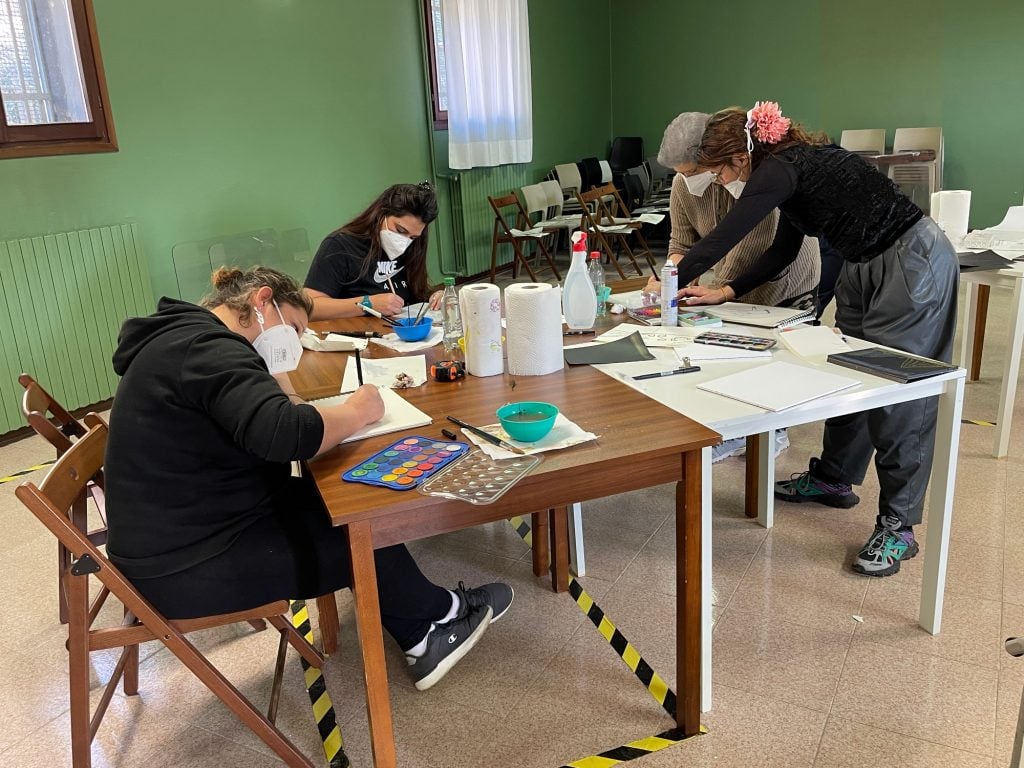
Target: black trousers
(295, 553)
(903, 298)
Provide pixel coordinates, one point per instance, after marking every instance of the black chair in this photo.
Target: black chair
(627, 152)
(590, 173)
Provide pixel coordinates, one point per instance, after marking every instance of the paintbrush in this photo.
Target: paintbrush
(487, 436)
(422, 312)
(375, 313)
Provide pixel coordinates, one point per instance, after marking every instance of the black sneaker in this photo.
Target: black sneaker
(446, 644)
(497, 595)
(808, 486)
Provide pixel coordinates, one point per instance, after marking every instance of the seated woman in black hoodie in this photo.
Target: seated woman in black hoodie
(204, 516)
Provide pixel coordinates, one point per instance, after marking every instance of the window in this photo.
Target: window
(53, 97)
(438, 73)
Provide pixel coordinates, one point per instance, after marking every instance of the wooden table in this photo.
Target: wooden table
(641, 444)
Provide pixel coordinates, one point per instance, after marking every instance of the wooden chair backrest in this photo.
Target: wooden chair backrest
(59, 426)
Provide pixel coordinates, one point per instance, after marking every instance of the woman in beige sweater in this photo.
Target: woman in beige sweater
(697, 206)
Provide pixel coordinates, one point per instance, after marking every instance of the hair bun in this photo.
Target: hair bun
(224, 277)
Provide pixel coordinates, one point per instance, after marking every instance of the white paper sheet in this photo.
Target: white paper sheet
(391, 341)
(778, 386)
(564, 434)
(383, 370)
(333, 342)
(654, 335)
(813, 342)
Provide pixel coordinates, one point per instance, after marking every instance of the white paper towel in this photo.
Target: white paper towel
(480, 305)
(533, 329)
(950, 209)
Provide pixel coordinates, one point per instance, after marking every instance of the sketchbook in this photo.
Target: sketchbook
(891, 364)
(399, 414)
(759, 315)
(778, 386)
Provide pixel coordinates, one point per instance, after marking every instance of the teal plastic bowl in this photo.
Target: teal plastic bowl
(408, 329)
(528, 421)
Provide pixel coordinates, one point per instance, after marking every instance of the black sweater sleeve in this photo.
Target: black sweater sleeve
(228, 381)
(772, 183)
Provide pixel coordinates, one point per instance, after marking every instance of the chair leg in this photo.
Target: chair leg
(494, 251)
(78, 668)
(298, 642)
(520, 257)
(275, 690)
(258, 624)
(629, 255)
(63, 563)
(131, 667)
(550, 258)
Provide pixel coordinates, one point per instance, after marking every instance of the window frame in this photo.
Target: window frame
(70, 138)
(440, 115)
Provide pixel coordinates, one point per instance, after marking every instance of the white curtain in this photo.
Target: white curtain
(490, 108)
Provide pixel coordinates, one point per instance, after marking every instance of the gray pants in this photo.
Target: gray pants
(903, 298)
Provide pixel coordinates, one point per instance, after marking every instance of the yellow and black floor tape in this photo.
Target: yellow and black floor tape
(27, 471)
(978, 422)
(654, 684)
(633, 750)
(323, 709)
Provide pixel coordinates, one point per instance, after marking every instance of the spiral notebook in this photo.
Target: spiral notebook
(399, 414)
(759, 315)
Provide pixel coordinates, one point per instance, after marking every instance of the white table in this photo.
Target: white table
(999, 278)
(735, 419)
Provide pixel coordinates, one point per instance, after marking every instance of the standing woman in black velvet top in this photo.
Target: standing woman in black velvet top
(897, 287)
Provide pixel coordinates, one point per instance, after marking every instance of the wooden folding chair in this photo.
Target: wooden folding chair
(515, 236)
(52, 503)
(59, 428)
(602, 230)
(617, 212)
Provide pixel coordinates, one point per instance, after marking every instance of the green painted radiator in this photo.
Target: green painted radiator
(63, 298)
(472, 217)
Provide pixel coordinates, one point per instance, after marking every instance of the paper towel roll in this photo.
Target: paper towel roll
(533, 328)
(951, 209)
(480, 305)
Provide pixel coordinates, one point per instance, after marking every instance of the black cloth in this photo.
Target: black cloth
(819, 190)
(203, 515)
(831, 264)
(341, 269)
(905, 298)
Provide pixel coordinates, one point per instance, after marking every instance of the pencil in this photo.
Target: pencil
(359, 368)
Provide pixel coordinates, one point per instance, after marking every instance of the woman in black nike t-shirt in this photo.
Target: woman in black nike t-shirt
(379, 259)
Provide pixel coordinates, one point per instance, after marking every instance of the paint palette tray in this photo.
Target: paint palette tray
(479, 479)
(407, 462)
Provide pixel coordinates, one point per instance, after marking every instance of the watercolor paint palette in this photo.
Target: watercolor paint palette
(407, 462)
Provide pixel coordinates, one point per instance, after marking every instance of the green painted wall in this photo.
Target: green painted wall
(832, 66)
(241, 115)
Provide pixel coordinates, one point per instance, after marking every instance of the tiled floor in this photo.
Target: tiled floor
(798, 681)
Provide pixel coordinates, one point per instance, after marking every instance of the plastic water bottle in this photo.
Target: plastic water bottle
(451, 317)
(596, 272)
(579, 301)
(669, 289)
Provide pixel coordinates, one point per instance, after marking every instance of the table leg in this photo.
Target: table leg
(559, 549)
(371, 640)
(689, 593)
(327, 620)
(706, 592)
(539, 531)
(1004, 417)
(755, 444)
(766, 490)
(577, 558)
(940, 505)
(981, 319)
(970, 323)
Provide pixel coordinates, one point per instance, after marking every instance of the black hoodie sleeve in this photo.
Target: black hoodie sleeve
(228, 380)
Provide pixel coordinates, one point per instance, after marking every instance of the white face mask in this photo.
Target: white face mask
(279, 346)
(697, 183)
(735, 188)
(393, 243)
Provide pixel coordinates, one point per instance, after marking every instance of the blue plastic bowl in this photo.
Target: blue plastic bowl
(409, 330)
(528, 421)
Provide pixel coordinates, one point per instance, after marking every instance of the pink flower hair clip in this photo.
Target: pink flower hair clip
(766, 123)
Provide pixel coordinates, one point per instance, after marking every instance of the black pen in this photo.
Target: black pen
(359, 367)
(578, 333)
(688, 369)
